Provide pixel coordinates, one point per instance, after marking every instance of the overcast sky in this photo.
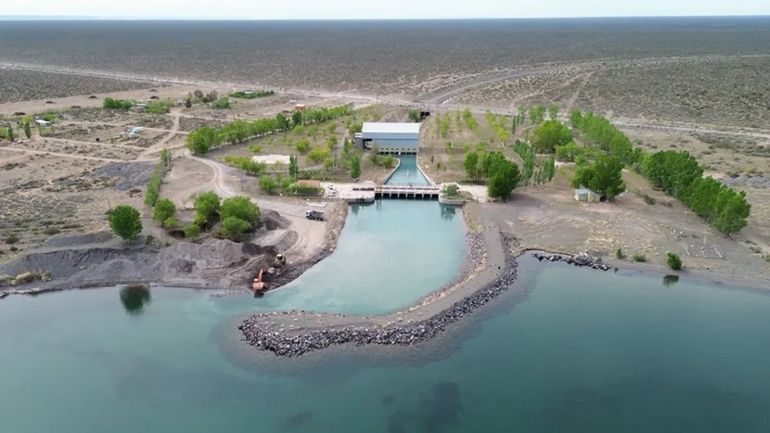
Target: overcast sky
(369, 9)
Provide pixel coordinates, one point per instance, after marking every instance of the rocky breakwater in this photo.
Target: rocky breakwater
(265, 331)
(581, 260)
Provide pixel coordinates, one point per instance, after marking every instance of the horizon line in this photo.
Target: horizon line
(234, 19)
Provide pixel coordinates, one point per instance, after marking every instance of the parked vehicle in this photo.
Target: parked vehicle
(314, 215)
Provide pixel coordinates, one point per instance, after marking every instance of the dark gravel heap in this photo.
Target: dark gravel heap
(408, 334)
(583, 260)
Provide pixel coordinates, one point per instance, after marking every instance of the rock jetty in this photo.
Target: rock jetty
(581, 260)
(297, 343)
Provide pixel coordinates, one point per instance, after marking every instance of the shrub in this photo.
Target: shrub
(233, 228)
(619, 254)
(255, 148)
(192, 231)
(117, 104)
(244, 163)
(125, 221)
(222, 104)
(318, 154)
(674, 261)
(268, 184)
(246, 94)
(12, 239)
(303, 146)
(164, 209)
(171, 223)
(640, 258)
(159, 107)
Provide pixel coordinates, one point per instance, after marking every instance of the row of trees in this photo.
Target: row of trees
(680, 175)
(532, 172)
(501, 174)
(609, 138)
(206, 138)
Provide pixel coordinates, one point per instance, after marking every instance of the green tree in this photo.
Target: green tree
(503, 176)
(242, 208)
(283, 121)
(318, 154)
(674, 261)
(414, 116)
(550, 134)
(164, 209)
(233, 228)
(125, 221)
(293, 166)
(471, 164)
(11, 136)
(207, 208)
(27, 130)
(355, 166)
(604, 177)
(202, 140)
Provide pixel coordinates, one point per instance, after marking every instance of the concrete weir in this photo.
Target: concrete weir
(407, 192)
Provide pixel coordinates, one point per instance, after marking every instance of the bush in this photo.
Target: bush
(222, 104)
(245, 163)
(192, 231)
(233, 228)
(125, 221)
(619, 254)
(674, 261)
(164, 209)
(255, 148)
(303, 146)
(12, 239)
(159, 107)
(171, 223)
(242, 208)
(640, 258)
(268, 184)
(117, 104)
(245, 94)
(318, 154)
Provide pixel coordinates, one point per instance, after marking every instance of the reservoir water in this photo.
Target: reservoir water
(583, 351)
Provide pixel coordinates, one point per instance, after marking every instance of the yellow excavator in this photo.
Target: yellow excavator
(259, 286)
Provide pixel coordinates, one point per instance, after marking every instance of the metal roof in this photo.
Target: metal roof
(390, 128)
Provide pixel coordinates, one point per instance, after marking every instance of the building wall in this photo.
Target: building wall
(396, 145)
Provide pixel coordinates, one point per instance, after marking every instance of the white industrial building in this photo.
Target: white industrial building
(390, 137)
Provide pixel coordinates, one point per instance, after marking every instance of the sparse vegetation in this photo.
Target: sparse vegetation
(252, 94)
(674, 261)
(641, 258)
(117, 104)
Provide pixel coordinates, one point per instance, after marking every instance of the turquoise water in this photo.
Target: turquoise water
(407, 173)
(391, 254)
(584, 352)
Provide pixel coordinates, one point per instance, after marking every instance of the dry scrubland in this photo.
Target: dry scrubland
(16, 85)
(669, 84)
